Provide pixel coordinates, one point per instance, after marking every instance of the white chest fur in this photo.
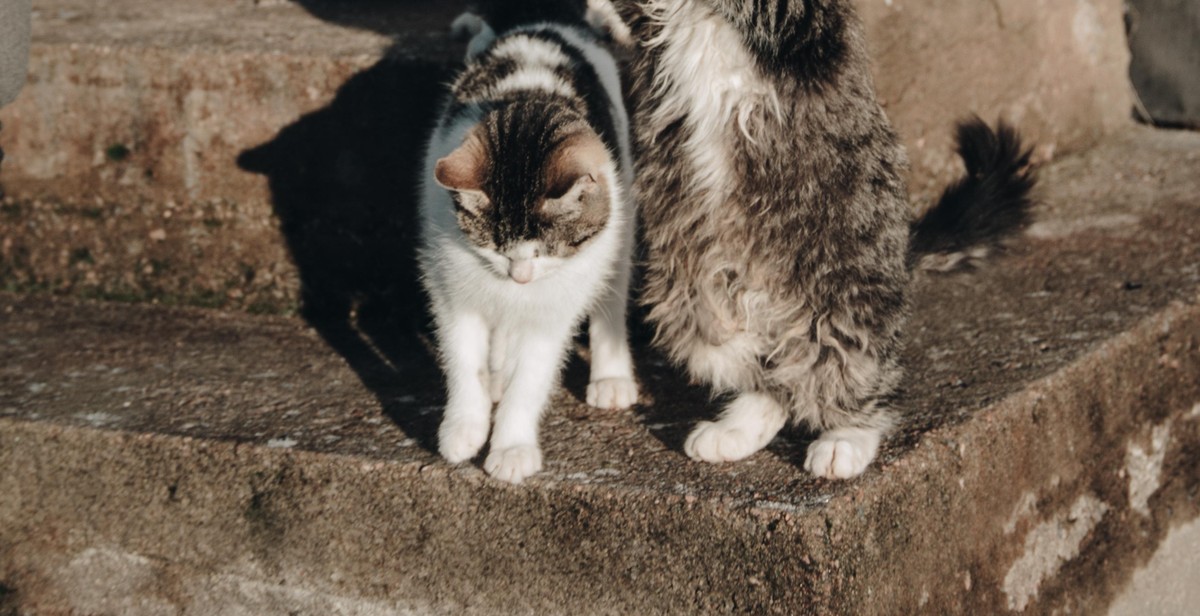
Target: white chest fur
(706, 78)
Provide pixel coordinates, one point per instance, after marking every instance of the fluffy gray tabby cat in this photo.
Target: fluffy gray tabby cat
(776, 218)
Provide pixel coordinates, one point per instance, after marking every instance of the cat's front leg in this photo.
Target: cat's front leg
(499, 368)
(746, 426)
(463, 341)
(611, 384)
(843, 453)
(536, 358)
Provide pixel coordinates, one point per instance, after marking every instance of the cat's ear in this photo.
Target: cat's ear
(579, 198)
(464, 169)
(576, 164)
(574, 180)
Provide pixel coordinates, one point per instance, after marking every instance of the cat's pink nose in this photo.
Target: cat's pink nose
(521, 271)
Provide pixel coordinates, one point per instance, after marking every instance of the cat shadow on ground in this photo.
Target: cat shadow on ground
(343, 182)
(416, 18)
(669, 405)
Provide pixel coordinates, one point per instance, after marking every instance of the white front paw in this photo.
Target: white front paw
(841, 455)
(460, 440)
(719, 442)
(612, 393)
(513, 464)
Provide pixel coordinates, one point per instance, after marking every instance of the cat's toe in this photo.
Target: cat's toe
(513, 464)
(612, 393)
(717, 442)
(461, 440)
(834, 459)
(835, 456)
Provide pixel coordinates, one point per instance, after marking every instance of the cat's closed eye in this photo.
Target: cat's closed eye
(471, 203)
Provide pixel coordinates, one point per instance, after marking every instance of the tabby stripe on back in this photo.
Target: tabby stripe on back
(538, 58)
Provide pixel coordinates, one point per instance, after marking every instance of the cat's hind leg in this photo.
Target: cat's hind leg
(463, 341)
(603, 17)
(611, 384)
(744, 427)
(472, 25)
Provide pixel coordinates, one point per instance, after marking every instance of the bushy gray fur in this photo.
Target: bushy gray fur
(775, 215)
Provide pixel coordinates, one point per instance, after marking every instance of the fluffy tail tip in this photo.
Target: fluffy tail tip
(990, 202)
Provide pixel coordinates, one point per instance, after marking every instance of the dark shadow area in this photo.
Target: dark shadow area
(1164, 66)
(343, 181)
(678, 405)
(422, 26)
(387, 16)
(1, 167)
(675, 404)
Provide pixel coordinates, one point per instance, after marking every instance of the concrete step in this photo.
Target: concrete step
(122, 170)
(175, 460)
(159, 148)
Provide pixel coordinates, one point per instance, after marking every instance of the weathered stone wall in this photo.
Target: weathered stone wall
(234, 154)
(1055, 69)
(1164, 36)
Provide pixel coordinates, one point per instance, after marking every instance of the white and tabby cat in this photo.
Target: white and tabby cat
(527, 227)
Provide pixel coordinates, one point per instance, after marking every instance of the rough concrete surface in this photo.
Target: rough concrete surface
(180, 89)
(177, 151)
(170, 460)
